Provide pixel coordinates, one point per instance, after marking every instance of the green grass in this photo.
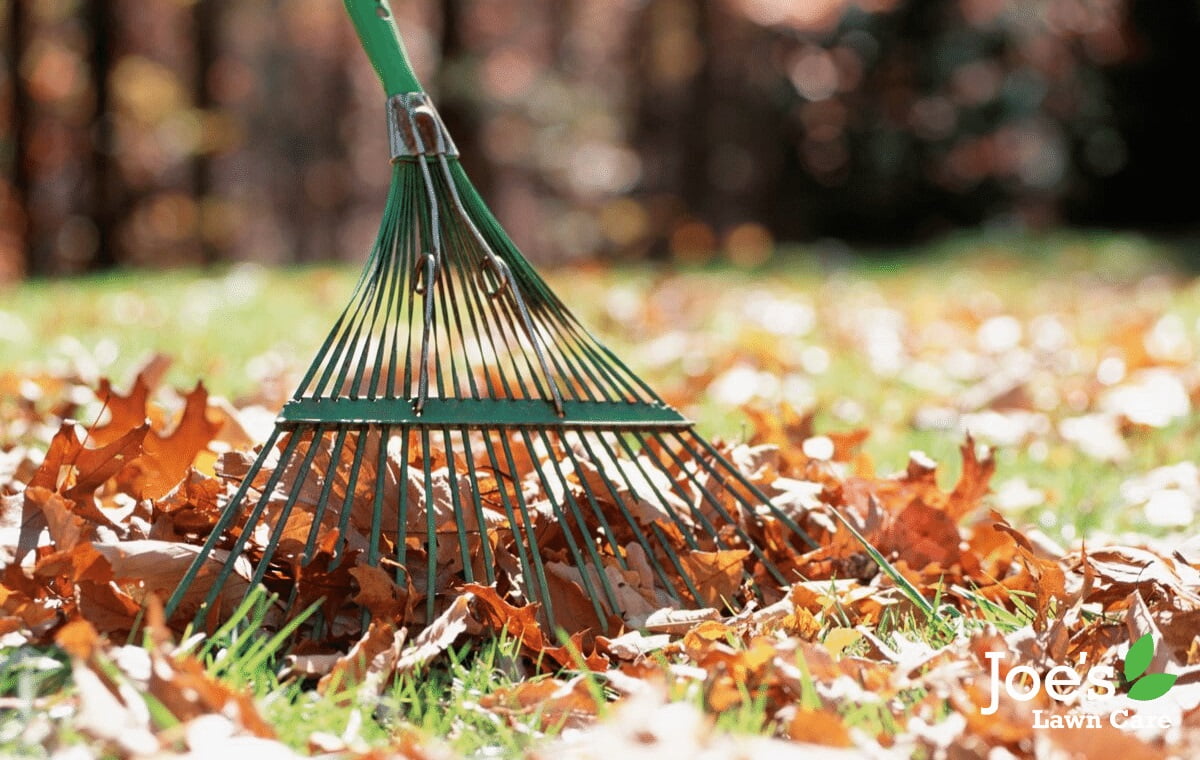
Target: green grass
(437, 705)
(33, 682)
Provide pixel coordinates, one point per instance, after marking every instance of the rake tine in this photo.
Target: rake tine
(411, 248)
(345, 357)
(385, 266)
(393, 286)
(518, 539)
(446, 342)
(684, 530)
(319, 515)
(503, 271)
(373, 549)
(715, 503)
(508, 349)
(430, 530)
(277, 533)
(530, 534)
(458, 267)
(402, 250)
(641, 537)
(476, 499)
(469, 294)
(360, 448)
(230, 512)
(460, 526)
(696, 514)
(364, 282)
(745, 482)
(335, 458)
(592, 501)
(377, 506)
(579, 521)
(251, 521)
(568, 535)
(402, 514)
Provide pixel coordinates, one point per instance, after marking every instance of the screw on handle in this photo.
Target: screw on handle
(376, 27)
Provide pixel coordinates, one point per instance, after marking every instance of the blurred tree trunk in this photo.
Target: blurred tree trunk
(453, 107)
(206, 20)
(101, 28)
(673, 101)
(22, 103)
(309, 112)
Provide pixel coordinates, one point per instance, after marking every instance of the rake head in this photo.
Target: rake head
(458, 425)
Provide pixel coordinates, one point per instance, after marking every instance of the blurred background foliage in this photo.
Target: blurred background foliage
(190, 132)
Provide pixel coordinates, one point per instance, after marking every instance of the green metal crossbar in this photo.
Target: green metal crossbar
(482, 413)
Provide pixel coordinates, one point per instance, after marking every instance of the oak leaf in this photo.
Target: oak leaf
(76, 470)
(717, 575)
(167, 457)
(124, 412)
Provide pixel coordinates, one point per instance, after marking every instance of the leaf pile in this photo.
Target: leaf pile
(879, 646)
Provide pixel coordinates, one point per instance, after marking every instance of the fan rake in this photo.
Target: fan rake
(459, 425)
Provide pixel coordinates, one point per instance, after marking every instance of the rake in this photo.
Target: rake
(459, 425)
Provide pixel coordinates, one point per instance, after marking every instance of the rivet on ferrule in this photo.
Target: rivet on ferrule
(415, 128)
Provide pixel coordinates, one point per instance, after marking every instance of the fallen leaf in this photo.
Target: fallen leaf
(151, 567)
(378, 593)
(819, 727)
(167, 458)
(554, 702)
(716, 576)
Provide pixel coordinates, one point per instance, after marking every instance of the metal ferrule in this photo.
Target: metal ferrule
(416, 129)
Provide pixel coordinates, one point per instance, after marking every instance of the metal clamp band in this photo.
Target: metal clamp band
(416, 129)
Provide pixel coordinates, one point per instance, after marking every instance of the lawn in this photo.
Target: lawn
(1072, 358)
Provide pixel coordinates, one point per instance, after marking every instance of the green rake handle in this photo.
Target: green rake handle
(376, 27)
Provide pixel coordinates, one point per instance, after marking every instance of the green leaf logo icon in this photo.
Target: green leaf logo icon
(1145, 687)
(1152, 686)
(1139, 657)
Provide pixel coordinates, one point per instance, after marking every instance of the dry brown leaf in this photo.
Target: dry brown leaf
(555, 702)
(492, 613)
(111, 711)
(973, 483)
(79, 563)
(67, 529)
(151, 567)
(379, 655)
(78, 638)
(819, 726)
(1121, 569)
(631, 645)
(923, 536)
(1048, 576)
(678, 621)
(21, 606)
(717, 575)
(376, 652)
(194, 504)
(75, 470)
(379, 594)
(106, 606)
(437, 636)
(124, 412)
(167, 458)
